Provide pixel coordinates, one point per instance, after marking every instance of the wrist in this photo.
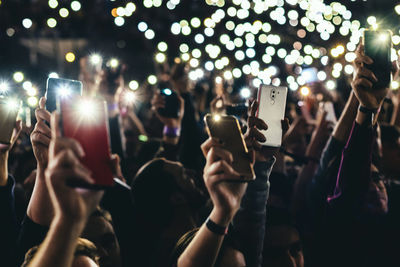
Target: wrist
(221, 218)
(171, 131)
(67, 222)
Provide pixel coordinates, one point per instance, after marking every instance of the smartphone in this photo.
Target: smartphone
(9, 109)
(378, 46)
(271, 109)
(86, 120)
(227, 129)
(57, 88)
(172, 108)
(330, 112)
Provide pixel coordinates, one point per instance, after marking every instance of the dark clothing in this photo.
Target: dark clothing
(8, 223)
(348, 236)
(249, 222)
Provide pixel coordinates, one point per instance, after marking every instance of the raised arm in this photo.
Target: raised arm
(8, 225)
(226, 196)
(72, 206)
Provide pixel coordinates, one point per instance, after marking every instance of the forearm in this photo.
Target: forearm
(40, 209)
(355, 167)
(396, 115)
(203, 250)
(3, 168)
(59, 245)
(249, 222)
(343, 127)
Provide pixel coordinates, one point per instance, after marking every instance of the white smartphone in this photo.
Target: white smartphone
(271, 109)
(330, 112)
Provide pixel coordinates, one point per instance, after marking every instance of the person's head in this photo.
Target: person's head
(229, 255)
(100, 231)
(390, 139)
(86, 254)
(282, 244)
(179, 77)
(376, 200)
(161, 188)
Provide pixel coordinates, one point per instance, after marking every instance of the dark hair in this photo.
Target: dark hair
(178, 71)
(84, 247)
(389, 133)
(184, 241)
(151, 190)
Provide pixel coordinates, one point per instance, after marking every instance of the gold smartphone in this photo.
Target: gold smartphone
(227, 130)
(8, 115)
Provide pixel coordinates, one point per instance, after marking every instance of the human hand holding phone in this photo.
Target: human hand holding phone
(219, 177)
(158, 103)
(41, 134)
(254, 137)
(70, 204)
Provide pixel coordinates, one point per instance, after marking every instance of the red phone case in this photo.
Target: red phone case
(93, 135)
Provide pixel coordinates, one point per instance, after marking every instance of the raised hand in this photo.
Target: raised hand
(71, 204)
(158, 102)
(41, 134)
(253, 135)
(363, 80)
(219, 177)
(4, 148)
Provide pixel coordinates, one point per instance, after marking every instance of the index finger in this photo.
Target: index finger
(42, 102)
(55, 130)
(208, 144)
(253, 108)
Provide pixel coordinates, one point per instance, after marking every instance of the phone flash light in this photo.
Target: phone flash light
(86, 108)
(217, 117)
(113, 63)
(64, 91)
(12, 104)
(383, 37)
(130, 97)
(167, 91)
(95, 59)
(3, 87)
(305, 91)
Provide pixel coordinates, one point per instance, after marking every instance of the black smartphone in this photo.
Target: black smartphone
(378, 46)
(171, 109)
(57, 88)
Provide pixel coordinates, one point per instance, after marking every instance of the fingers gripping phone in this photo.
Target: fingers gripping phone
(171, 109)
(227, 130)
(57, 88)
(8, 115)
(378, 46)
(271, 109)
(86, 120)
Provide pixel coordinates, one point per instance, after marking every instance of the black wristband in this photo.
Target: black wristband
(215, 228)
(367, 110)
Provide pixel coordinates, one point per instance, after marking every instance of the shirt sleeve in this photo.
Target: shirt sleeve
(249, 222)
(354, 172)
(8, 223)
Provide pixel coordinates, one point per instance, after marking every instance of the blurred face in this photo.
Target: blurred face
(377, 198)
(391, 158)
(101, 233)
(282, 247)
(232, 258)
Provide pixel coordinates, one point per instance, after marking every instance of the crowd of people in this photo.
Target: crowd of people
(329, 196)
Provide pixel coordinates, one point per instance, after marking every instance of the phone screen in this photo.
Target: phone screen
(86, 120)
(8, 115)
(57, 88)
(227, 129)
(171, 109)
(271, 109)
(377, 46)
